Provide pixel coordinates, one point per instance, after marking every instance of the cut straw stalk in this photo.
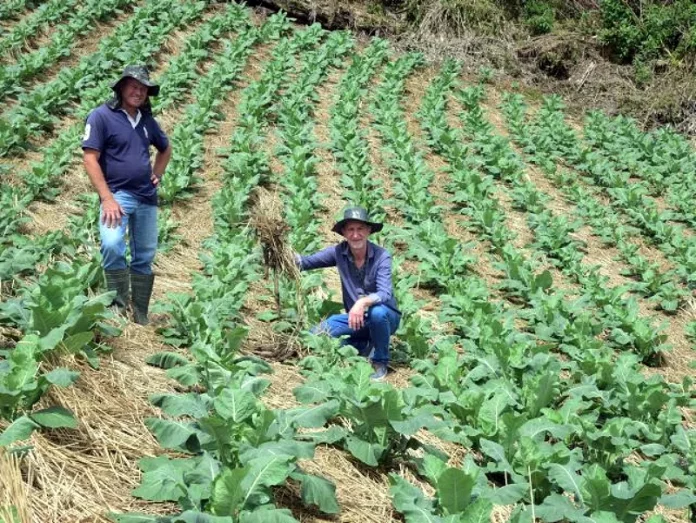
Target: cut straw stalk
(14, 502)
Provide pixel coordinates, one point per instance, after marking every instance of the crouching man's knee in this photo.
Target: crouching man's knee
(378, 313)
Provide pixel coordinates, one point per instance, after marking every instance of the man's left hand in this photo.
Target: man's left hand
(356, 316)
(155, 179)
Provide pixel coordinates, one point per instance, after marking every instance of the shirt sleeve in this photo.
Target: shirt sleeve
(383, 280)
(157, 136)
(318, 260)
(94, 135)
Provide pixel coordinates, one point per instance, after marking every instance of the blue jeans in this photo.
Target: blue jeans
(140, 220)
(380, 324)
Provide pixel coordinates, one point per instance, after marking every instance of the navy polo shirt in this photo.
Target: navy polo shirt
(125, 151)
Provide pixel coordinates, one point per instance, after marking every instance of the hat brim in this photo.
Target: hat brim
(338, 226)
(152, 89)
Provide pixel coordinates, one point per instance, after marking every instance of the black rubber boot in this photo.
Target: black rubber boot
(119, 281)
(141, 289)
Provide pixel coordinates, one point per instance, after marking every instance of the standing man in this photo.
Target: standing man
(366, 284)
(116, 146)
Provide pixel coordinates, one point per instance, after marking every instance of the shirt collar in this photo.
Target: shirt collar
(133, 121)
(345, 250)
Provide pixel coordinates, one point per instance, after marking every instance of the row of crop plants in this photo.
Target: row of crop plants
(38, 109)
(41, 180)
(501, 393)
(375, 423)
(662, 160)
(579, 460)
(12, 9)
(238, 450)
(606, 224)
(54, 309)
(336, 378)
(81, 21)
(626, 200)
(48, 14)
(619, 315)
(549, 141)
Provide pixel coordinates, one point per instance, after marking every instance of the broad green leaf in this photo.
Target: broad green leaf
(178, 405)
(411, 425)
(50, 340)
(284, 447)
(265, 471)
(45, 320)
(76, 342)
(629, 502)
(454, 488)
(163, 479)
(318, 491)
(271, 515)
(496, 452)
(255, 385)
(55, 418)
(20, 429)
(544, 280)
(681, 499)
(539, 426)
(315, 392)
(62, 377)
(566, 478)
(558, 508)
(328, 437)
(186, 375)
(410, 501)
(368, 453)
(509, 494)
(228, 493)
(314, 416)
(235, 405)
(167, 360)
(653, 449)
(477, 512)
(433, 467)
(170, 434)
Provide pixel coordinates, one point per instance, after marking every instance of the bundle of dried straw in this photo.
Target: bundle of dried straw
(272, 231)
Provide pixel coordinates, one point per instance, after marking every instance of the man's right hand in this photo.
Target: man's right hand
(111, 213)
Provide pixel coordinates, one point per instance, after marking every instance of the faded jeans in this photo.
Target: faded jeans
(140, 221)
(380, 324)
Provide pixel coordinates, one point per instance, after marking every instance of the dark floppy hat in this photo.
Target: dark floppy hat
(139, 73)
(357, 214)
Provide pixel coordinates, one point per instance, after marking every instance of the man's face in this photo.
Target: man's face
(133, 93)
(356, 233)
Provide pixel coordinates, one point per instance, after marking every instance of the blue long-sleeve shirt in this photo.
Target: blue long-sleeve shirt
(374, 279)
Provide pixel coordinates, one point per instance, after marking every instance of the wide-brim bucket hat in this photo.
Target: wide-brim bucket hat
(139, 73)
(357, 214)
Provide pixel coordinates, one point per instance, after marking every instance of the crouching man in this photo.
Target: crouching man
(366, 283)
